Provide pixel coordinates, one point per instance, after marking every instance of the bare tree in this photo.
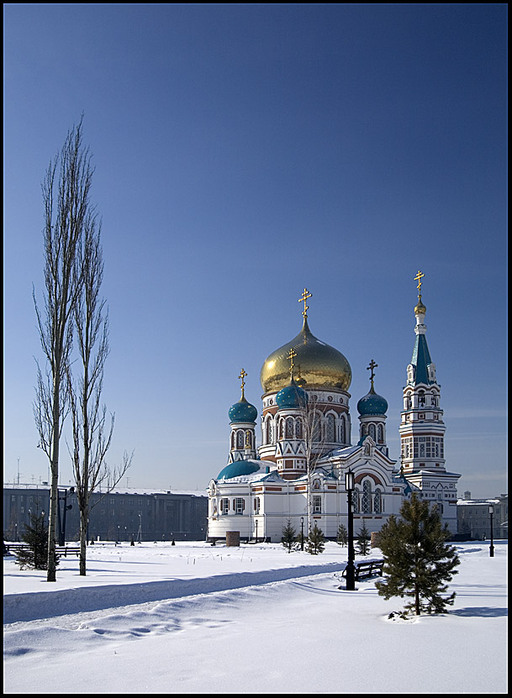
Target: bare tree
(92, 432)
(313, 437)
(66, 205)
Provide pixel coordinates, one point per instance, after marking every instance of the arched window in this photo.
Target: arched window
(298, 428)
(355, 500)
(377, 501)
(371, 431)
(289, 428)
(330, 429)
(240, 438)
(342, 430)
(380, 434)
(367, 497)
(268, 431)
(316, 430)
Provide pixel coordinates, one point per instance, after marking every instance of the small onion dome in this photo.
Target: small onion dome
(372, 404)
(242, 411)
(420, 309)
(291, 396)
(237, 469)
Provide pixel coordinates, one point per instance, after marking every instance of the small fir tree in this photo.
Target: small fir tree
(342, 536)
(315, 541)
(36, 537)
(289, 537)
(363, 540)
(417, 561)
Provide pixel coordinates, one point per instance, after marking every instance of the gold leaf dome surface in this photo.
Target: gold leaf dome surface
(317, 365)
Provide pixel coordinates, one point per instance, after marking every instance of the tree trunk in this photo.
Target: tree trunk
(51, 575)
(84, 516)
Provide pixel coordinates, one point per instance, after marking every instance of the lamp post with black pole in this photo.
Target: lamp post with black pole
(491, 547)
(350, 571)
(302, 533)
(61, 519)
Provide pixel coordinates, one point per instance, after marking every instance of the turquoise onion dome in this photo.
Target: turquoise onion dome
(291, 396)
(372, 404)
(242, 411)
(237, 469)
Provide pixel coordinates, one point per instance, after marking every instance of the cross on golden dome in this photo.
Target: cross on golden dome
(305, 295)
(291, 355)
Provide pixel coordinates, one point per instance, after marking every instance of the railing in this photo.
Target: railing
(59, 549)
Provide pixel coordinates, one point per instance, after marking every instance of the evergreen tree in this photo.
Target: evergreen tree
(363, 540)
(289, 536)
(342, 536)
(417, 561)
(315, 541)
(36, 537)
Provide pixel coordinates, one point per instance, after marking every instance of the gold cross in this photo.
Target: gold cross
(305, 295)
(418, 278)
(291, 355)
(242, 376)
(370, 368)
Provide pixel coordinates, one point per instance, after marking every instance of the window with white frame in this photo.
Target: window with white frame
(367, 497)
(239, 505)
(377, 501)
(256, 505)
(224, 506)
(317, 504)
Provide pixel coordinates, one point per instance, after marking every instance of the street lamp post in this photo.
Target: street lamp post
(350, 572)
(302, 533)
(491, 547)
(61, 520)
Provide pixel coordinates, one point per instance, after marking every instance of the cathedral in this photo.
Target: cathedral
(297, 474)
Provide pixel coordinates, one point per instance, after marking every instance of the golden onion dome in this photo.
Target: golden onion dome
(317, 365)
(420, 309)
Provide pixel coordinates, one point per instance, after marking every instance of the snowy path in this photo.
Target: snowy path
(46, 604)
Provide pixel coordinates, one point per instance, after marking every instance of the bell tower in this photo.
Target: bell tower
(422, 427)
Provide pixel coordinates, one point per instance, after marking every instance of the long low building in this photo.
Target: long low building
(474, 518)
(121, 515)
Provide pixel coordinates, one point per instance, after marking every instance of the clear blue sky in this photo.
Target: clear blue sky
(242, 153)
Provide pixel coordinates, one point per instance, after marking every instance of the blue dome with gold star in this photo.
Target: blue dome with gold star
(291, 396)
(237, 469)
(242, 411)
(372, 404)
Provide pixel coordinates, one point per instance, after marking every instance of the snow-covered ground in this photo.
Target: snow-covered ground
(192, 618)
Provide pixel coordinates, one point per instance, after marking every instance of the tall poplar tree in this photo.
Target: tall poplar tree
(65, 190)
